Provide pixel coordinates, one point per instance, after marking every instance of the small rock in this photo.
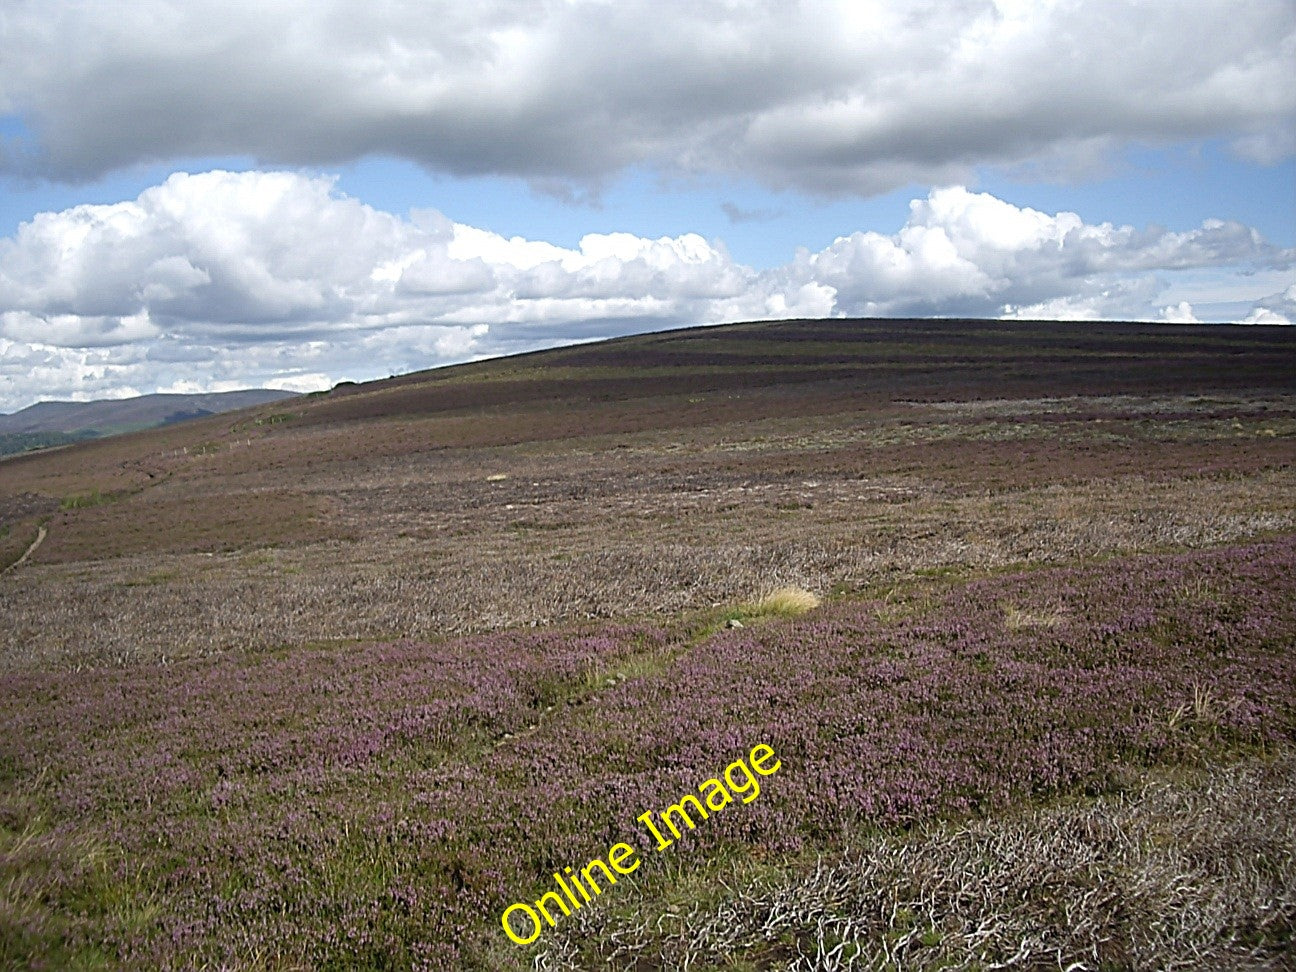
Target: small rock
(734, 623)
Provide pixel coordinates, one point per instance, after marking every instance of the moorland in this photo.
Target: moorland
(332, 682)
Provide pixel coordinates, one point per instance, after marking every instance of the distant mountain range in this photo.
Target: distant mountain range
(59, 423)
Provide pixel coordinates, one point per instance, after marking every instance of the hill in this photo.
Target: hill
(61, 423)
(641, 463)
(347, 680)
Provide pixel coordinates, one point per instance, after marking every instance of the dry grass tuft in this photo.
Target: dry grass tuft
(785, 602)
(1018, 619)
(1204, 710)
(1176, 874)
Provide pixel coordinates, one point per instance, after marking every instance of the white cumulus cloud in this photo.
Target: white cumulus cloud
(223, 279)
(1180, 313)
(1275, 309)
(970, 253)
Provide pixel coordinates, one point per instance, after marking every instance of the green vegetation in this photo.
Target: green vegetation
(151, 578)
(12, 443)
(82, 501)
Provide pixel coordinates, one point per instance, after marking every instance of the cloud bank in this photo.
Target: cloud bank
(832, 96)
(221, 279)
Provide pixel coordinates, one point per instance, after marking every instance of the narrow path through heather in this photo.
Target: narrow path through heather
(40, 537)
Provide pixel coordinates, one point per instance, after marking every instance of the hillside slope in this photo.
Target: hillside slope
(653, 473)
(346, 681)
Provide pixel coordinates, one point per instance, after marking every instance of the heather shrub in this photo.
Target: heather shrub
(1183, 873)
(381, 804)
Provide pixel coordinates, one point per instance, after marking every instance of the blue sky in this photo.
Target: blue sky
(375, 189)
(1175, 187)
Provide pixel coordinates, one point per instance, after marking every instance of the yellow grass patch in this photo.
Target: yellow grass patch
(1016, 619)
(786, 602)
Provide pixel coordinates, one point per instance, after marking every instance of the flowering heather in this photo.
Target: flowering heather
(1089, 884)
(378, 806)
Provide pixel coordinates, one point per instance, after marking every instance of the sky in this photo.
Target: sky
(203, 196)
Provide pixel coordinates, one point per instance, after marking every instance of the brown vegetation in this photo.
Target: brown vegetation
(1194, 871)
(649, 476)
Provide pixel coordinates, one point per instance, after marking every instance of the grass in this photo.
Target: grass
(151, 578)
(1095, 883)
(1019, 619)
(648, 664)
(1204, 712)
(782, 602)
(84, 501)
